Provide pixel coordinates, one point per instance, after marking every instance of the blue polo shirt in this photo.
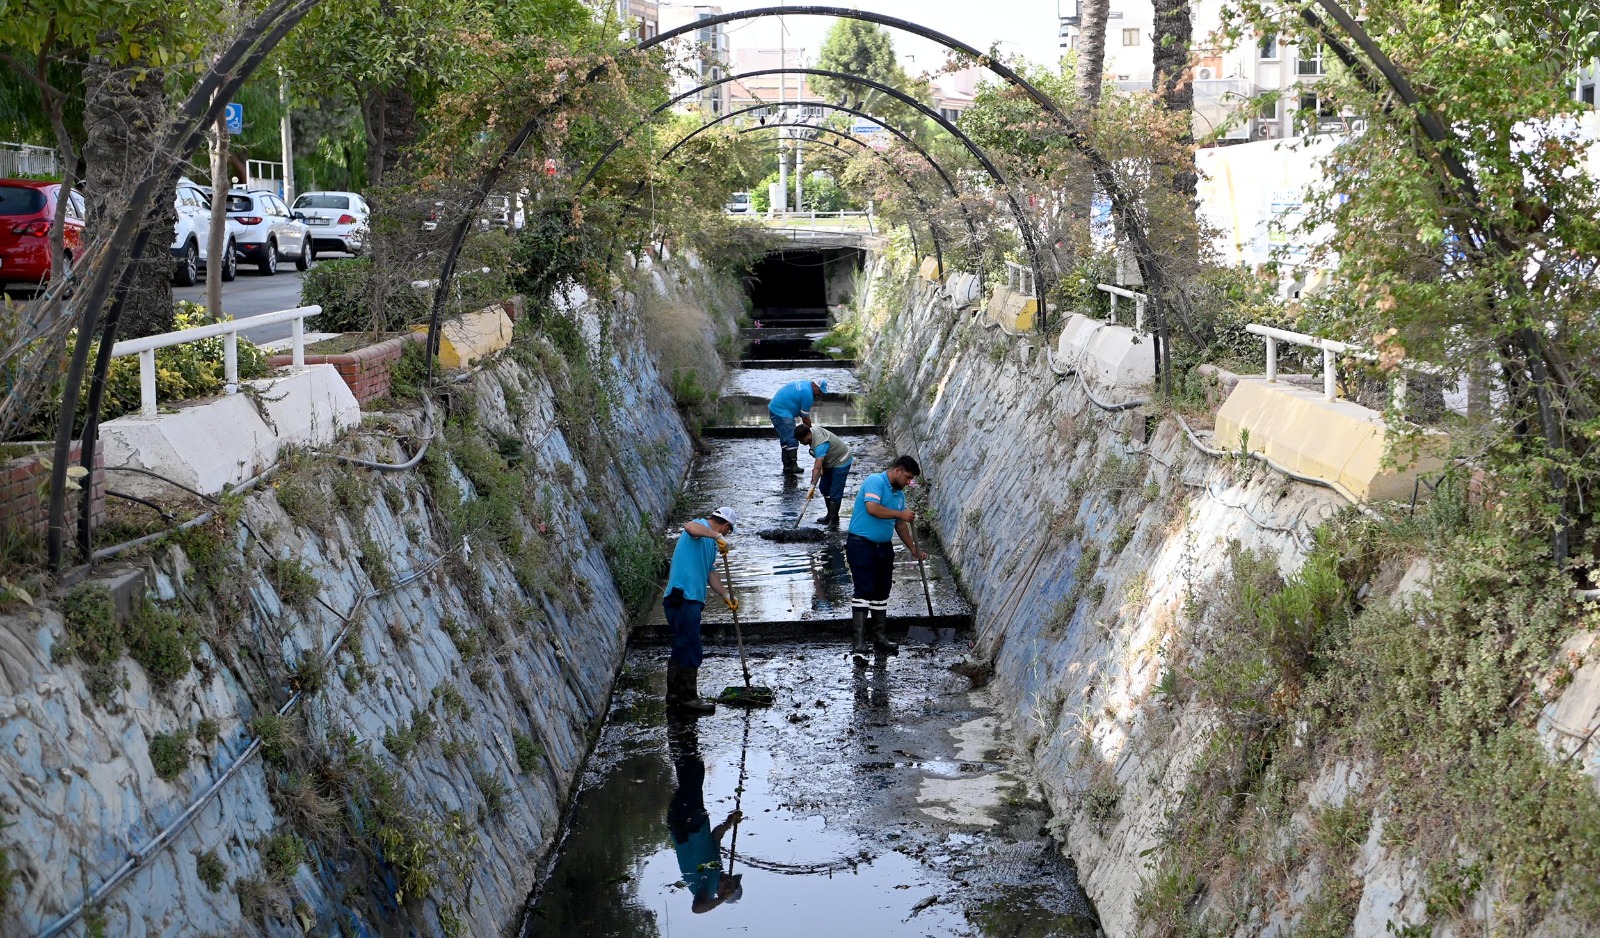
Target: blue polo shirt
(792, 400)
(692, 561)
(876, 488)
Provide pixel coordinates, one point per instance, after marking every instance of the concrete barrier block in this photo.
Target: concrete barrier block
(212, 444)
(964, 289)
(1012, 310)
(930, 269)
(1339, 441)
(473, 336)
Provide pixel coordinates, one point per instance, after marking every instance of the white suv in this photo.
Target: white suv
(338, 220)
(191, 235)
(265, 230)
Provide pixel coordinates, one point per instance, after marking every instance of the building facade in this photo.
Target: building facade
(701, 61)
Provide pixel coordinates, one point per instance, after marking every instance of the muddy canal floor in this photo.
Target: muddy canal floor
(879, 801)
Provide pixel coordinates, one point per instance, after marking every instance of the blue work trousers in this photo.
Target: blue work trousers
(685, 621)
(832, 483)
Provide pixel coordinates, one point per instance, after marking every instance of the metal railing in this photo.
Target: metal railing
(1019, 278)
(25, 159)
(146, 348)
(1139, 300)
(1330, 350)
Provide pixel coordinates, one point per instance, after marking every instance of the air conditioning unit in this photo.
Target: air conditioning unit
(1267, 130)
(1205, 73)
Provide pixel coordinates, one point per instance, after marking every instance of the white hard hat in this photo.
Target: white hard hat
(727, 514)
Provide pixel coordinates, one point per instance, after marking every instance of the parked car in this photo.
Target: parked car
(191, 235)
(27, 209)
(264, 230)
(739, 204)
(338, 220)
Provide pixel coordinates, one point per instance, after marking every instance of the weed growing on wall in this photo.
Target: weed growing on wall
(638, 557)
(1437, 692)
(169, 753)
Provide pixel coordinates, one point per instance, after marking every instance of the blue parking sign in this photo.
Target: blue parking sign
(234, 114)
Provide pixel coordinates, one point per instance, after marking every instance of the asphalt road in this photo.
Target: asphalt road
(251, 294)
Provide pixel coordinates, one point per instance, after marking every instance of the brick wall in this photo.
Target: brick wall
(365, 370)
(24, 495)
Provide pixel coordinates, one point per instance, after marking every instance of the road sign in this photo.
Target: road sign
(864, 128)
(234, 114)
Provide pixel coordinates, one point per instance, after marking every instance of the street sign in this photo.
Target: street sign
(865, 127)
(234, 114)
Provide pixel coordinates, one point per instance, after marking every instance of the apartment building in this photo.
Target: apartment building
(703, 60)
(770, 89)
(642, 17)
(1228, 79)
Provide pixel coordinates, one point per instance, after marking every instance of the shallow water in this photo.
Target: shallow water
(765, 382)
(876, 801)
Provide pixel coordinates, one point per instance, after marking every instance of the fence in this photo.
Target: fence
(1330, 350)
(146, 348)
(1139, 299)
(23, 159)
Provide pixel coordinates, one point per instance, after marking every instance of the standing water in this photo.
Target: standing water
(884, 800)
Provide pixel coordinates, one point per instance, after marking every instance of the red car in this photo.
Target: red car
(27, 207)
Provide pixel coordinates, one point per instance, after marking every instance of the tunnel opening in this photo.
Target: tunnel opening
(795, 287)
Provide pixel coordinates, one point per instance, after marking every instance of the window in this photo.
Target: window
(20, 200)
(1269, 47)
(322, 200)
(1314, 103)
(79, 209)
(239, 203)
(1130, 37)
(1587, 95)
(1310, 60)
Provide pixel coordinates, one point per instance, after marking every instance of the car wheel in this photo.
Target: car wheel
(269, 259)
(307, 255)
(230, 264)
(188, 272)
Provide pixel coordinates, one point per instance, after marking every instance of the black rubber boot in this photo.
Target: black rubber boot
(690, 702)
(791, 462)
(880, 637)
(831, 519)
(858, 621)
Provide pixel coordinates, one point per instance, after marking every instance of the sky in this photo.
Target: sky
(1028, 27)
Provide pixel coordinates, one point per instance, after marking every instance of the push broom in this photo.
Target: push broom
(748, 695)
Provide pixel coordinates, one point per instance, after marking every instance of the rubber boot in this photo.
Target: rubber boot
(674, 685)
(831, 519)
(791, 462)
(858, 621)
(689, 701)
(880, 637)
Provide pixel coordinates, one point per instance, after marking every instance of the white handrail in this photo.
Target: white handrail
(146, 347)
(1329, 348)
(1139, 299)
(1019, 278)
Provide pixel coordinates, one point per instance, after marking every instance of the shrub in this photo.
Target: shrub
(344, 288)
(529, 753)
(161, 641)
(91, 626)
(637, 558)
(282, 855)
(169, 753)
(293, 581)
(211, 870)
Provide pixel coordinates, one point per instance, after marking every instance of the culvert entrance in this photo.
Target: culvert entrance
(884, 800)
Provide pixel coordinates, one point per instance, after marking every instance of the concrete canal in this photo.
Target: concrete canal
(882, 800)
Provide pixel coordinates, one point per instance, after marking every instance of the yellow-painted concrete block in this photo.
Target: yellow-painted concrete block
(1012, 310)
(1339, 441)
(472, 337)
(930, 269)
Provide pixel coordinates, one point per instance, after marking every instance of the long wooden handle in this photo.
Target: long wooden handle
(925, 595)
(738, 633)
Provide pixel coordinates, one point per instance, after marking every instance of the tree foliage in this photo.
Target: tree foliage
(856, 47)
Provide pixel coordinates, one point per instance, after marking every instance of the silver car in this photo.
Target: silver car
(338, 220)
(265, 231)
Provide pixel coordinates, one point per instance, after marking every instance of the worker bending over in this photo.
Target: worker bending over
(880, 513)
(793, 402)
(694, 564)
(831, 466)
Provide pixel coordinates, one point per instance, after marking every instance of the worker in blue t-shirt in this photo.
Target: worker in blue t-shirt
(793, 402)
(880, 513)
(694, 564)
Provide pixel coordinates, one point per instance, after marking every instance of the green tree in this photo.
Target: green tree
(865, 49)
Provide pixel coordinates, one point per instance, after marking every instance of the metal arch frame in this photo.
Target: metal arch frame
(1023, 224)
(905, 138)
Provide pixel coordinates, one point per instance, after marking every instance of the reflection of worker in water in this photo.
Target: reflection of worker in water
(830, 469)
(880, 513)
(698, 844)
(793, 402)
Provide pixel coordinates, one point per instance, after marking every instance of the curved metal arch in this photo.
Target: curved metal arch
(955, 193)
(1023, 224)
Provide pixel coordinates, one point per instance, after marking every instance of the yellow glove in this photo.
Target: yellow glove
(733, 604)
(723, 546)
(812, 493)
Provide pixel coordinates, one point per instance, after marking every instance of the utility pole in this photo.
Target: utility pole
(781, 204)
(286, 135)
(799, 170)
(217, 238)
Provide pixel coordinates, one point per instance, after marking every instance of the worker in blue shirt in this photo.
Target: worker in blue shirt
(793, 402)
(830, 468)
(880, 513)
(694, 564)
